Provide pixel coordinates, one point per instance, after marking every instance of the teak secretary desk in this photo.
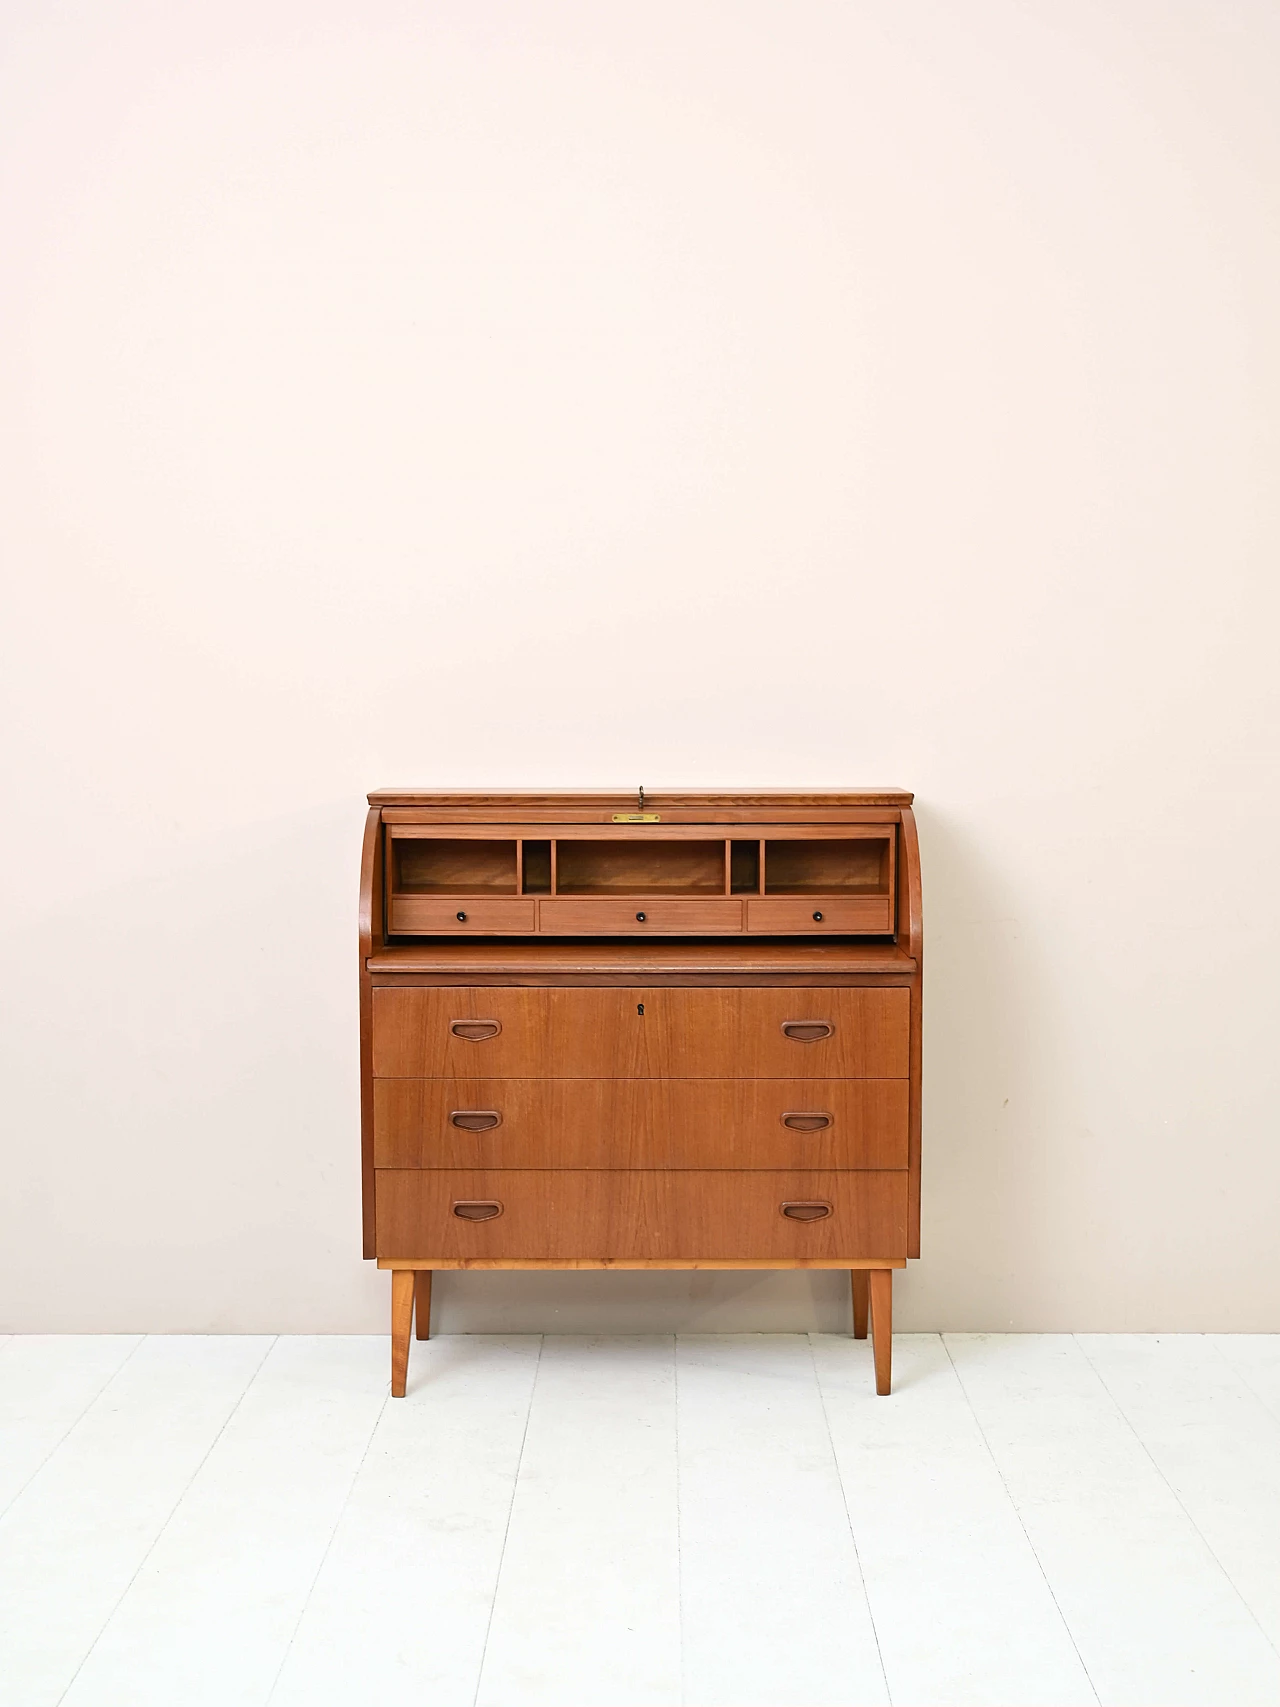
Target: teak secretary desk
(631, 1030)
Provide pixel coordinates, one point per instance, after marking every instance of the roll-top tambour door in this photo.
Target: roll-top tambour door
(641, 1033)
(640, 1123)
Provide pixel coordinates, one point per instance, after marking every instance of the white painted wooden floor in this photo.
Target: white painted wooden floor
(722, 1521)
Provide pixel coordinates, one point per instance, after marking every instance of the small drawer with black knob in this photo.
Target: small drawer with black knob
(430, 915)
(850, 915)
(637, 916)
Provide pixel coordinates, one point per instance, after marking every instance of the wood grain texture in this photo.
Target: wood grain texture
(462, 913)
(402, 1285)
(603, 1033)
(859, 859)
(861, 1301)
(848, 914)
(406, 826)
(521, 800)
(568, 1265)
(637, 862)
(637, 916)
(452, 865)
(911, 928)
(640, 1213)
(369, 931)
(422, 1303)
(548, 961)
(641, 1123)
(881, 1282)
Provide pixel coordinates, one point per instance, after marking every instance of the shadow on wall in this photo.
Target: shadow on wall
(1003, 1113)
(634, 1302)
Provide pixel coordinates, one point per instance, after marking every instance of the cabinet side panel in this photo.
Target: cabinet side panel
(371, 938)
(911, 925)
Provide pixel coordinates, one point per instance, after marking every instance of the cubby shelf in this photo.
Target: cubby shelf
(779, 882)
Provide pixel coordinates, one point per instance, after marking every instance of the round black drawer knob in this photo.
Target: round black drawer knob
(462, 918)
(640, 916)
(817, 918)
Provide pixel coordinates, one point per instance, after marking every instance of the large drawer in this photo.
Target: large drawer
(663, 1032)
(640, 1123)
(535, 1213)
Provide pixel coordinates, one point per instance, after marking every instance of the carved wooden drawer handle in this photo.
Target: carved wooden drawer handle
(475, 1119)
(807, 1030)
(802, 1211)
(475, 1030)
(799, 1121)
(470, 1210)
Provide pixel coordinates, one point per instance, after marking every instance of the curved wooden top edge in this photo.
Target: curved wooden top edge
(915, 900)
(369, 924)
(654, 798)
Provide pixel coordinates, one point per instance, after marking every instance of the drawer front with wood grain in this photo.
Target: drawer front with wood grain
(567, 916)
(543, 1214)
(640, 1123)
(855, 915)
(417, 915)
(811, 1033)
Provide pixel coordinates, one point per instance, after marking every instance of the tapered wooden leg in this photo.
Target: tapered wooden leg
(882, 1324)
(422, 1303)
(861, 1297)
(401, 1322)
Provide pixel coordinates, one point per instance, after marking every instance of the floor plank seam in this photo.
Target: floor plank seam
(155, 1539)
(506, 1532)
(1181, 1504)
(70, 1428)
(848, 1517)
(328, 1546)
(1013, 1506)
(1244, 1380)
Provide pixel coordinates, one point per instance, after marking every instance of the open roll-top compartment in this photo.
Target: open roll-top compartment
(662, 879)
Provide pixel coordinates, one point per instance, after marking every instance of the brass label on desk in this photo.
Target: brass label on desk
(637, 817)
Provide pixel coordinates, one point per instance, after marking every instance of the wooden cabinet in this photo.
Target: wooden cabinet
(672, 1031)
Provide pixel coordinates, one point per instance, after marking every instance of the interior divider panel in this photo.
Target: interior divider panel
(548, 1213)
(640, 1123)
(642, 1032)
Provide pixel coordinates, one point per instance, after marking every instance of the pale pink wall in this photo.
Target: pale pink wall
(684, 392)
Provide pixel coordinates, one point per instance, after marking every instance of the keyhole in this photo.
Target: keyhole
(640, 1008)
